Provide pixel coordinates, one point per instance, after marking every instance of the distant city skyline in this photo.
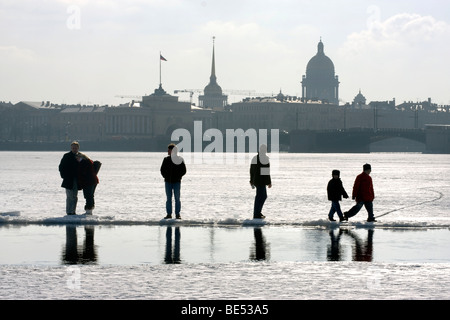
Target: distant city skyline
(90, 52)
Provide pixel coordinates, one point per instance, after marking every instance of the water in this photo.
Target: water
(125, 250)
(153, 245)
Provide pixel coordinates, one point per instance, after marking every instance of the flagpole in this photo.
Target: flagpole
(160, 69)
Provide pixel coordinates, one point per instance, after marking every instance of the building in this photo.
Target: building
(320, 82)
(213, 98)
(148, 124)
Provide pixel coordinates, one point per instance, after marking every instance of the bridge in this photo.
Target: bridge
(355, 140)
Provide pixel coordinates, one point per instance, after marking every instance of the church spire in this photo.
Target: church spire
(213, 97)
(213, 78)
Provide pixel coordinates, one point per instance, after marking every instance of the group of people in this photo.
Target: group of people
(362, 193)
(78, 173)
(173, 169)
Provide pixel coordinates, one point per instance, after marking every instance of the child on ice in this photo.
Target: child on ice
(336, 191)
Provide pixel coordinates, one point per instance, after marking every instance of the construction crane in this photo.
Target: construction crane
(248, 93)
(190, 91)
(127, 96)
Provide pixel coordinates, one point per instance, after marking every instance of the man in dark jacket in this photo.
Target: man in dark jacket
(173, 169)
(68, 169)
(260, 178)
(363, 194)
(336, 191)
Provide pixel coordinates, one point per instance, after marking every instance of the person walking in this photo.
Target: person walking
(335, 192)
(68, 169)
(87, 180)
(259, 179)
(363, 193)
(173, 169)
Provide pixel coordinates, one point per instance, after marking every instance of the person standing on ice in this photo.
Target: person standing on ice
(172, 170)
(363, 194)
(335, 192)
(260, 178)
(87, 180)
(68, 170)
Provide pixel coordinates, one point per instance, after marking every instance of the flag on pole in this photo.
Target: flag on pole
(161, 57)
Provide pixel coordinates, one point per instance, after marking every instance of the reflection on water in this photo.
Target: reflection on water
(362, 250)
(74, 254)
(74, 244)
(259, 250)
(172, 255)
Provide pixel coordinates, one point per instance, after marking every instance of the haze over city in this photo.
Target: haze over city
(90, 52)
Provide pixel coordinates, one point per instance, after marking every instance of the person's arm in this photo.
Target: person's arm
(253, 168)
(163, 169)
(356, 186)
(344, 193)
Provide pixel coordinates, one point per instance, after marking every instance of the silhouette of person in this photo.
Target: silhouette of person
(172, 255)
(173, 169)
(260, 178)
(87, 180)
(89, 251)
(68, 171)
(335, 192)
(334, 249)
(363, 194)
(362, 250)
(259, 251)
(72, 254)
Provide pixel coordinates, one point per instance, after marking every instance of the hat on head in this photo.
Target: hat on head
(367, 167)
(335, 172)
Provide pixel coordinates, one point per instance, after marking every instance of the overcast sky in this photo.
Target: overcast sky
(89, 52)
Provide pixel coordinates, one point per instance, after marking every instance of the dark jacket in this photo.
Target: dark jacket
(260, 173)
(86, 174)
(335, 190)
(68, 170)
(172, 172)
(363, 188)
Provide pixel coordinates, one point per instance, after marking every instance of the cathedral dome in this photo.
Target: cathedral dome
(320, 82)
(359, 99)
(320, 66)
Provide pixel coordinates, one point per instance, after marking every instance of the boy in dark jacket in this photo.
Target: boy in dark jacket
(336, 191)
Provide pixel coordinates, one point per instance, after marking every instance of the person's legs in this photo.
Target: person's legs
(332, 211)
(260, 198)
(168, 186)
(88, 193)
(369, 208)
(176, 194)
(335, 207)
(354, 210)
(72, 199)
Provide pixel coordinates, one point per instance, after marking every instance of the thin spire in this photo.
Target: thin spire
(160, 59)
(213, 66)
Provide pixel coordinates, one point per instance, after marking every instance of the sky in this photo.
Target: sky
(94, 52)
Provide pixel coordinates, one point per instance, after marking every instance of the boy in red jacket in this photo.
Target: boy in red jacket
(363, 194)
